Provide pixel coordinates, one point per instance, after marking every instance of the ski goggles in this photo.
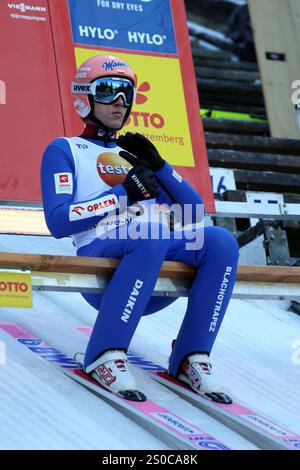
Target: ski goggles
(106, 90)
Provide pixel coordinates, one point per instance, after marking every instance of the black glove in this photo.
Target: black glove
(142, 148)
(140, 183)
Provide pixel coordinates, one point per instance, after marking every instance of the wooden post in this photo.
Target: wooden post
(276, 29)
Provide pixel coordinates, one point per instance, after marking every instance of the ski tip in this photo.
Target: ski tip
(132, 395)
(219, 398)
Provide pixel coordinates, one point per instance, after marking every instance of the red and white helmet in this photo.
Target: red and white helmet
(96, 67)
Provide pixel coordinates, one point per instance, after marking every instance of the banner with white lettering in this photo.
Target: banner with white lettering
(144, 25)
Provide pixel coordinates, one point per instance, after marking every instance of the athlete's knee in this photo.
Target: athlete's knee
(219, 239)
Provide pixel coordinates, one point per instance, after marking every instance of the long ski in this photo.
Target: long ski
(249, 423)
(177, 432)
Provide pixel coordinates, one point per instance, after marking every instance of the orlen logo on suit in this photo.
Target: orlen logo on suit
(96, 207)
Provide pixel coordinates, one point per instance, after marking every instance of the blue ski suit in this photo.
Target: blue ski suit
(81, 180)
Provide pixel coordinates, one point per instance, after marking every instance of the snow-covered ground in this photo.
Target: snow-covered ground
(40, 408)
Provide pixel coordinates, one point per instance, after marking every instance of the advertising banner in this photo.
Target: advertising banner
(30, 105)
(15, 289)
(48, 39)
(152, 37)
(159, 111)
(139, 26)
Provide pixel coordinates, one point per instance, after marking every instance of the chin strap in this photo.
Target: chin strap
(100, 130)
(93, 131)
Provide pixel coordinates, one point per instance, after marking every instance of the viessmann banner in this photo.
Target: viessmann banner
(151, 35)
(30, 104)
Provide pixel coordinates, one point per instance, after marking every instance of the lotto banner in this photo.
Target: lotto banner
(159, 111)
(15, 289)
(151, 35)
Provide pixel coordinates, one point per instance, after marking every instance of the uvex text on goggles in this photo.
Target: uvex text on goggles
(106, 90)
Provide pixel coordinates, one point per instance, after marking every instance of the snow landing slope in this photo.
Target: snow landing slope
(40, 408)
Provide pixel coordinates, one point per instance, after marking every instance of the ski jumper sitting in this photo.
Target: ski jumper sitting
(103, 191)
